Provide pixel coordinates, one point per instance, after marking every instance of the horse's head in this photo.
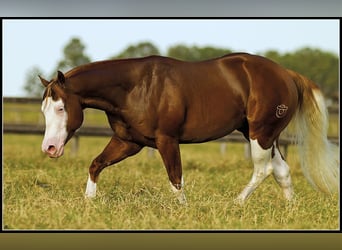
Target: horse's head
(63, 115)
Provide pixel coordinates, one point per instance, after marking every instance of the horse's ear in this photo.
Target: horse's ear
(60, 77)
(44, 82)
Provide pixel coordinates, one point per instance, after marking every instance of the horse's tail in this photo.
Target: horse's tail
(319, 158)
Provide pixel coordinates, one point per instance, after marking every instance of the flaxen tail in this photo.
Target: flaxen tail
(319, 157)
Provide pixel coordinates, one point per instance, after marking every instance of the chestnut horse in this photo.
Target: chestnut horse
(161, 102)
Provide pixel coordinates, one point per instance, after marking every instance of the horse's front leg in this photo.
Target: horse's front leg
(168, 148)
(115, 151)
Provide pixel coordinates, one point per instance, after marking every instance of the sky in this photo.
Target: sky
(29, 43)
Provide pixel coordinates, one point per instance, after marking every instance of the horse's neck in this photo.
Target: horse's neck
(104, 91)
(101, 104)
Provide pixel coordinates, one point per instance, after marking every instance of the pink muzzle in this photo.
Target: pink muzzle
(53, 148)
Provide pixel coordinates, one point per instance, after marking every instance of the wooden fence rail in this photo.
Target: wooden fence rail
(333, 109)
(235, 137)
(22, 100)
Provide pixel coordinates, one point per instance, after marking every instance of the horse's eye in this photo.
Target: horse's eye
(60, 109)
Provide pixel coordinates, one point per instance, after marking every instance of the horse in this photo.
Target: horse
(162, 102)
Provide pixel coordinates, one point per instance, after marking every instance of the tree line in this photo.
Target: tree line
(318, 65)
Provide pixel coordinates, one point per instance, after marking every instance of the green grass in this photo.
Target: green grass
(44, 193)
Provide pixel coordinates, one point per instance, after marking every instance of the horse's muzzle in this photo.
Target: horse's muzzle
(54, 152)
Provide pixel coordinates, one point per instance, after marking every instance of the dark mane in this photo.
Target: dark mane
(100, 64)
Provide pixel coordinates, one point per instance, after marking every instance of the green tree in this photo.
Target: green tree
(139, 50)
(33, 86)
(319, 66)
(73, 55)
(195, 53)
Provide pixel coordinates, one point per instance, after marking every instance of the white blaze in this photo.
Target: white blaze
(55, 126)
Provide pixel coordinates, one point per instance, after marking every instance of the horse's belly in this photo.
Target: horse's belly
(211, 127)
(197, 136)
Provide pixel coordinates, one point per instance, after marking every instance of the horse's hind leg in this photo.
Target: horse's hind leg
(262, 169)
(281, 173)
(267, 161)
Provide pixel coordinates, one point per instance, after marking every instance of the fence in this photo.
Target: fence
(235, 137)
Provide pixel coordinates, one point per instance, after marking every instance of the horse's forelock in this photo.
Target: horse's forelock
(52, 91)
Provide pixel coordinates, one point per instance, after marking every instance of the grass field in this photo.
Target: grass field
(44, 193)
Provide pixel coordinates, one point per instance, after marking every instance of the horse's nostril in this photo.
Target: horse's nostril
(51, 148)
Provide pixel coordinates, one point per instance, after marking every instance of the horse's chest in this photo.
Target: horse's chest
(121, 131)
(119, 128)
